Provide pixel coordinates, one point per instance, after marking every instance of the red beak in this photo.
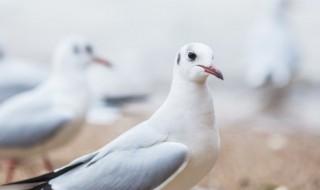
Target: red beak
(102, 61)
(213, 71)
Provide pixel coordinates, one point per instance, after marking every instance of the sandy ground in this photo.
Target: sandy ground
(252, 157)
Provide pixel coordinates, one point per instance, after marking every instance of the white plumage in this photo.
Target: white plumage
(174, 149)
(34, 122)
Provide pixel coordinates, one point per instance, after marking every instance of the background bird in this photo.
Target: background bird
(34, 122)
(174, 149)
(18, 75)
(273, 55)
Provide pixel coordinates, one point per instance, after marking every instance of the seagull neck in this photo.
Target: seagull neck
(69, 75)
(70, 91)
(182, 87)
(188, 104)
(69, 81)
(185, 94)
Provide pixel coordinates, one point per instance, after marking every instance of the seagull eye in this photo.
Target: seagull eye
(192, 56)
(89, 49)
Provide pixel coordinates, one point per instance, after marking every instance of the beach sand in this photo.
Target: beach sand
(252, 157)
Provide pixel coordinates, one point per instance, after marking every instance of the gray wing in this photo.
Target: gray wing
(9, 90)
(18, 78)
(136, 169)
(29, 123)
(39, 181)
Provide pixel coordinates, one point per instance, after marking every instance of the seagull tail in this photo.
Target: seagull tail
(27, 186)
(36, 183)
(40, 182)
(45, 186)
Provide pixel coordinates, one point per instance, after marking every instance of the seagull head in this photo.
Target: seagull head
(195, 62)
(77, 53)
(279, 7)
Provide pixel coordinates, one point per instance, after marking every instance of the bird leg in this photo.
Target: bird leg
(9, 170)
(47, 164)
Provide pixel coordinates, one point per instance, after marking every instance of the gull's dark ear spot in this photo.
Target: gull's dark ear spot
(178, 59)
(76, 49)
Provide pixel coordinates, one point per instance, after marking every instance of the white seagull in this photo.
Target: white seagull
(273, 57)
(34, 122)
(18, 76)
(172, 150)
(272, 52)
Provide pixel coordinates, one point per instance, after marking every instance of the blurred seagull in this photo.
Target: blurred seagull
(174, 149)
(47, 117)
(273, 55)
(18, 76)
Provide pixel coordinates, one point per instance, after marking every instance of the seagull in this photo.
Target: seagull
(17, 76)
(174, 149)
(273, 56)
(34, 122)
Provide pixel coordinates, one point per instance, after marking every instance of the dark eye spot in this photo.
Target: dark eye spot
(178, 59)
(192, 56)
(89, 49)
(76, 49)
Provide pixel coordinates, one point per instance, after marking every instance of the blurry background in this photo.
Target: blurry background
(141, 39)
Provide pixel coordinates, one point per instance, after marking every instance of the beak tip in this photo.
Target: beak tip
(220, 76)
(103, 62)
